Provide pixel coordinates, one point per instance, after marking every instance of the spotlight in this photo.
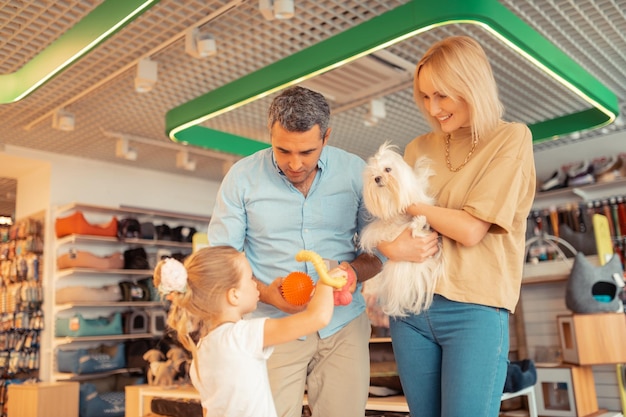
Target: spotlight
(200, 45)
(376, 112)
(123, 150)
(183, 161)
(63, 120)
(277, 9)
(146, 76)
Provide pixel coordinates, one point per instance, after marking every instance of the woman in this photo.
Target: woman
(452, 358)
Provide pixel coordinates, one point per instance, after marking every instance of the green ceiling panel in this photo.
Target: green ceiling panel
(221, 141)
(393, 26)
(93, 29)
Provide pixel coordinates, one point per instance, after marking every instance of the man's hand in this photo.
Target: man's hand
(343, 295)
(271, 294)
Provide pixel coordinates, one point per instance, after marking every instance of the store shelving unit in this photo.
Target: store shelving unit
(93, 276)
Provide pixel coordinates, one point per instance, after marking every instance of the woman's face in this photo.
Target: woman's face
(452, 115)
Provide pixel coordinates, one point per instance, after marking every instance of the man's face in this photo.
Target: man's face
(297, 153)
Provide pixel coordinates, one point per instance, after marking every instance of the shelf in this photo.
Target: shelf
(583, 193)
(551, 271)
(63, 376)
(395, 403)
(105, 338)
(383, 369)
(136, 211)
(77, 239)
(130, 304)
(113, 272)
(391, 403)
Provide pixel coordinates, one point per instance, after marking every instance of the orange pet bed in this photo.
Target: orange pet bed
(77, 224)
(84, 259)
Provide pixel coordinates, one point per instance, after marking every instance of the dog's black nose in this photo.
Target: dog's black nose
(378, 179)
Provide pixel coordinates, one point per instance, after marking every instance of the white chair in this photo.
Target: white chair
(529, 392)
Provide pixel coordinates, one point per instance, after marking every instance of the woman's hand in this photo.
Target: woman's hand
(410, 249)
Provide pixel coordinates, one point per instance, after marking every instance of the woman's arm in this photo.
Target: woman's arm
(455, 224)
(318, 313)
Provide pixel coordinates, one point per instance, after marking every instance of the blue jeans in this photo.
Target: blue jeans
(452, 359)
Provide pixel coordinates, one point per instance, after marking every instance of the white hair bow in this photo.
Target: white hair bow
(173, 277)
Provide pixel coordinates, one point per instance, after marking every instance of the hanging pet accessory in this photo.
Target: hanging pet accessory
(590, 288)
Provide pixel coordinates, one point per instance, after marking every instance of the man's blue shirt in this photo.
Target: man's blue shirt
(261, 213)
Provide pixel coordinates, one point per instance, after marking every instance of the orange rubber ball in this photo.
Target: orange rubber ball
(297, 288)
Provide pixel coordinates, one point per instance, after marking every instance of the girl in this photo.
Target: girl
(210, 294)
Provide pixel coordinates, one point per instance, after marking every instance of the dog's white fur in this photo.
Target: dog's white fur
(390, 185)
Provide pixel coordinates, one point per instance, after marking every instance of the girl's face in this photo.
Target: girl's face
(452, 115)
(249, 294)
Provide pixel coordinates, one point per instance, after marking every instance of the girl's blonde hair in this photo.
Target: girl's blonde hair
(460, 70)
(211, 272)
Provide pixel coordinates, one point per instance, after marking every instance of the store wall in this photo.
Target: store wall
(86, 181)
(46, 181)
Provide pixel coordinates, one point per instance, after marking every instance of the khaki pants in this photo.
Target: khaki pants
(335, 372)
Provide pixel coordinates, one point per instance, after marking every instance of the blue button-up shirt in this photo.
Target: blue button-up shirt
(260, 212)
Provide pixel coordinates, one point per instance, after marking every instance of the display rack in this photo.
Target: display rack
(21, 298)
(102, 245)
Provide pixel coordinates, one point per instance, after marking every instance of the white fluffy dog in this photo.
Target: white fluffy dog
(390, 185)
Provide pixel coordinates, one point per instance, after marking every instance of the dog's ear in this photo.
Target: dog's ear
(422, 168)
(387, 146)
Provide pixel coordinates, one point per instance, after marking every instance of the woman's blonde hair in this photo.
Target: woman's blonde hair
(211, 272)
(460, 69)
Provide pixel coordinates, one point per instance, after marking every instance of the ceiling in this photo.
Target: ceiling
(99, 91)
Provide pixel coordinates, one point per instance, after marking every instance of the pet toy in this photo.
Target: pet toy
(341, 297)
(390, 185)
(297, 288)
(160, 371)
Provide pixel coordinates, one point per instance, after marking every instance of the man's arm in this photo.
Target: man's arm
(366, 266)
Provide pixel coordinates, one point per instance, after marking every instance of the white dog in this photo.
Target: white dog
(390, 185)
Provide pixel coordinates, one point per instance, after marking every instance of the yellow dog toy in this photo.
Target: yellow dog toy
(320, 267)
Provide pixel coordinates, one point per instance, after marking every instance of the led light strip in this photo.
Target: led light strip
(89, 32)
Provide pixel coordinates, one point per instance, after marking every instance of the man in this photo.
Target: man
(302, 194)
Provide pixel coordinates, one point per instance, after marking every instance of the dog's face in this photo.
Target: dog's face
(387, 183)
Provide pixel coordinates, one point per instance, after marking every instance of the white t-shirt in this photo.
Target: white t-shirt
(233, 371)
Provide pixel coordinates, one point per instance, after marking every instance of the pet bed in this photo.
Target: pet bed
(87, 361)
(82, 293)
(95, 404)
(84, 259)
(176, 407)
(77, 224)
(77, 326)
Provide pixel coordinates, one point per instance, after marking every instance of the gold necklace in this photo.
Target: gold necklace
(467, 158)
